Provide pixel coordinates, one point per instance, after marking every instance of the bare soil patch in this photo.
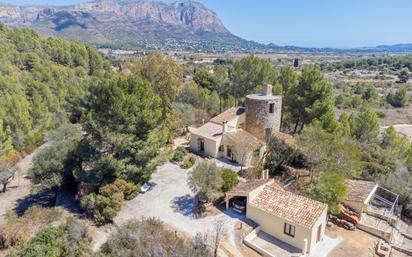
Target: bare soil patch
(356, 243)
(19, 189)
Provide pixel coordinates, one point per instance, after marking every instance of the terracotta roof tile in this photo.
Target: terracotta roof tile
(242, 137)
(294, 208)
(208, 130)
(227, 115)
(250, 185)
(358, 190)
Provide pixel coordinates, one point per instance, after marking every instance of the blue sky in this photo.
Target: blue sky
(320, 23)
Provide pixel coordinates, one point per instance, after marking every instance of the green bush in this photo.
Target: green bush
(17, 230)
(68, 240)
(104, 206)
(107, 207)
(230, 179)
(329, 188)
(47, 243)
(380, 114)
(398, 98)
(179, 154)
(279, 153)
(188, 162)
(128, 189)
(206, 181)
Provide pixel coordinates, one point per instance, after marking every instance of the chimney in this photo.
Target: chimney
(268, 89)
(224, 130)
(265, 174)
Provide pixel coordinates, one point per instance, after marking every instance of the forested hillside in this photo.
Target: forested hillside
(372, 63)
(42, 82)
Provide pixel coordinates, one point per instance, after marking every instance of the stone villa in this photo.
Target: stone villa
(283, 218)
(239, 133)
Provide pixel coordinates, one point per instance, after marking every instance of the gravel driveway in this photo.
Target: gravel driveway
(172, 201)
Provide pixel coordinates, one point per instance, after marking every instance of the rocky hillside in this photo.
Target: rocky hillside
(182, 25)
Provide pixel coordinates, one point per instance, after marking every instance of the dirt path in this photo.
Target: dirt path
(19, 187)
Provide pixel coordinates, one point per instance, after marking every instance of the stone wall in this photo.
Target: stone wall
(258, 117)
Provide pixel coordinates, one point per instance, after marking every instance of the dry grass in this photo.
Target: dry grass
(17, 230)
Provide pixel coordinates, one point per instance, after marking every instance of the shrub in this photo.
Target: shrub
(47, 243)
(278, 154)
(398, 98)
(68, 240)
(206, 181)
(128, 189)
(229, 178)
(51, 166)
(146, 238)
(188, 162)
(179, 154)
(18, 230)
(381, 115)
(104, 206)
(252, 172)
(404, 75)
(329, 188)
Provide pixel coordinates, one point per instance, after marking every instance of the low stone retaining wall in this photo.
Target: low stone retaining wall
(403, 250)
(374, 231)
(391, 219)
(248, 240)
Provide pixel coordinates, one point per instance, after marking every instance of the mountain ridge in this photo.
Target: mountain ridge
(184, 25)
(181, 25)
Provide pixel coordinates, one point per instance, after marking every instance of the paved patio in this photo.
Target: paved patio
(225, 163)
(274, 246)
(279, 248)
(326, 246)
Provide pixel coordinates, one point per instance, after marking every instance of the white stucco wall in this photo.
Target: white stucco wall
(211, 146)
(274, 226)
(321, 221)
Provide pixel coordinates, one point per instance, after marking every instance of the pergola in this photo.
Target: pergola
(383, 200)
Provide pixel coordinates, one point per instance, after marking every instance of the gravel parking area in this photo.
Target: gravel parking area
(172, 201)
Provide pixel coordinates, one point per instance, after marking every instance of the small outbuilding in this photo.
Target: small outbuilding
(367, 196)
(291, 218)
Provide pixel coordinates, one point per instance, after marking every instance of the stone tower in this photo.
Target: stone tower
(263, 113)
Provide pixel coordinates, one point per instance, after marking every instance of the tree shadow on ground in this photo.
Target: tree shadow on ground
(45, 198)
(66, 198)
(185, 205)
